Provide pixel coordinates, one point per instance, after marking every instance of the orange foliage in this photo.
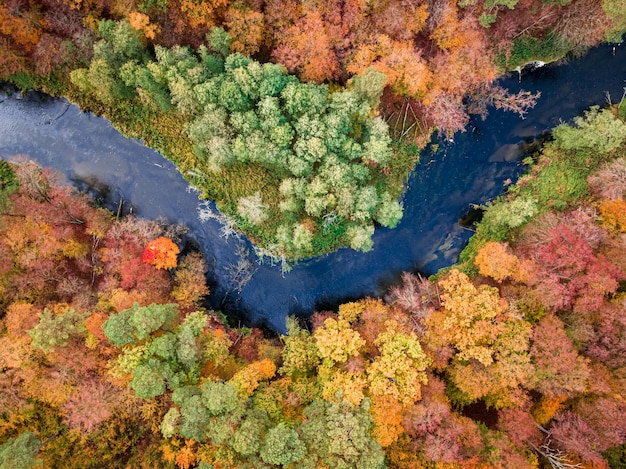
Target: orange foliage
(247, 30)
(141, 22)
(161, 253)
(202, 13)
(247, 380)
(547, 407)
(20, 317)
(21, 28)
(388, 414)
(448, 33)
(613, 214)
(407, 73)
(495, 260)
(308, 48)
(186, 457)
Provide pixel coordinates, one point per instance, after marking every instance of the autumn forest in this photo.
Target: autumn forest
(302, 119)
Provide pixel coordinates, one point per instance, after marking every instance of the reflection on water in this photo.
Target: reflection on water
(476, 167)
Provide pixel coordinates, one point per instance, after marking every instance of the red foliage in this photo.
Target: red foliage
(520, 427)
(560, 370)
(609, 344)
(247, 348)
(571, 274)
(92, 403)
(574, 435)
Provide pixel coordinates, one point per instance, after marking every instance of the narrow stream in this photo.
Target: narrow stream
(472, 169)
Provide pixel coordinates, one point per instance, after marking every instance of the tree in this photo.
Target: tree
(300, 356)
(337, 341)
(54, 331)
(339, 434)
(571, 274)
(161, 253)
(495, 260)
(470, 318)
(560, 370)
(599, 130)
(20, 452)
(282, 446)
(307, 48)
(400, 368)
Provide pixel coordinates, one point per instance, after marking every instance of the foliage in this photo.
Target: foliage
(55, 331)
(598, 130)
(161, 253)
(20, 452)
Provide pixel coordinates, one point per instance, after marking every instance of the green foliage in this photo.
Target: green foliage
(20, 452)
(8, 183)
(340, 435)
(248, 435)
(616, 456)
(299, 351)
(598, 130)
(138, 322)
(616, 11)
(168, 355)
(528, 49)
(282, 446)
(246, 116)
(55, 331)
(390, 211)
(149, 379)
(502, 216)
(120, 44)
(219, 41)
(369, 85)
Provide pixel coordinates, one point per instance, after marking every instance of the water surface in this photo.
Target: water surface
(472, 169)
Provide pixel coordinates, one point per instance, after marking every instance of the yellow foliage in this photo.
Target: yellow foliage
(349, 384)
(351, 311)
(337, 341)
(400, 369)
(470, 320)
(74, 249)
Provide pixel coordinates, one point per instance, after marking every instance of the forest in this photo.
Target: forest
(301, 119)
(513, 358)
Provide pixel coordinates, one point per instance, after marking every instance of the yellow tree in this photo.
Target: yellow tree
(471, 318)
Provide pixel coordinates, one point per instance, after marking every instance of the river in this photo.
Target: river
(472, 169)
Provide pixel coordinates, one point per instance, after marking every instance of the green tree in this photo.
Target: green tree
(599, 131)
(20, 452)
(340, 435)
(299, 352)
(282, 446)
(55, 331)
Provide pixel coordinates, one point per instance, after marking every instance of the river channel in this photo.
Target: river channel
(473, 168)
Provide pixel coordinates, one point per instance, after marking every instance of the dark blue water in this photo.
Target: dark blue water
(472, 169)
